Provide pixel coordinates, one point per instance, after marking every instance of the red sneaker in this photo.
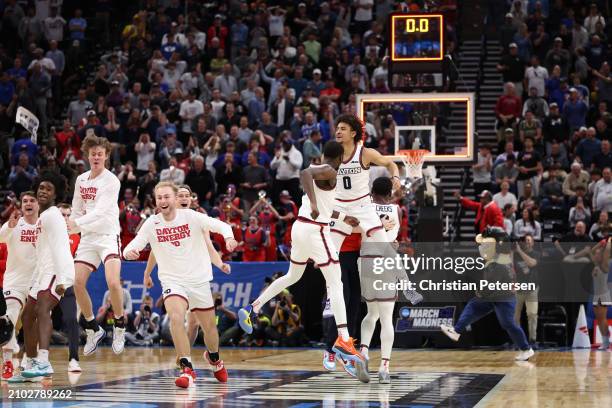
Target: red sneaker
(186, 378)
(218, 368)
(7, 370)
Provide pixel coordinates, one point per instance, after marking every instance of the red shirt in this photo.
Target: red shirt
(489, 216)
(351, 243)
(74, 240)
(254, 249)
(68, 141)
(3, 257)
(509, 105)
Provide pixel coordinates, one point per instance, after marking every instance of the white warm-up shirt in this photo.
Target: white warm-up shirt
(179, 246)
(326, 200)
(21, 262)
(53, 254)
(94, 206)
(392, 212)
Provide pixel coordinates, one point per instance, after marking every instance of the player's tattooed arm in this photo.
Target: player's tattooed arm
(371, 156)
(307, 177)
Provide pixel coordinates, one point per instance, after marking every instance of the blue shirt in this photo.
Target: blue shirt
(575, 113)
(240, 34)
(587, 150)
(26, 146)
(7, 89)
(81, 23)
(299, 85)
(17, 72)
(169, 48)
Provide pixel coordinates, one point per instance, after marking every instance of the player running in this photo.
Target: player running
(54, 274)
(177, 240)
(19, 233)
(310, 239)
(95, 213)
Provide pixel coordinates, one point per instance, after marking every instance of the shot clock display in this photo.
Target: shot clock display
(417, 37)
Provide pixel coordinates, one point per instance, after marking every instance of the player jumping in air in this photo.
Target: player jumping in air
(177, 240)
(310, 239)
(19, 233)
(95, 213)
(54, 274)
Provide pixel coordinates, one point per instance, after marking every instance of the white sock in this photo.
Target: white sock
(43, 355)
(7, 355)
(343, 332)
(365, 351)
(384, 365)
(90, 318)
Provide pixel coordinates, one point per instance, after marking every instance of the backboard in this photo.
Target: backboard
(443, 123)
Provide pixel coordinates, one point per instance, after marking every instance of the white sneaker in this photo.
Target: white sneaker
(329, 361)
(384, 377)
(93, 339)
(25, 363)
(524, 355)
(605, 344)
(413, 296)
(73, 366)
(450, 332)
(118, 340)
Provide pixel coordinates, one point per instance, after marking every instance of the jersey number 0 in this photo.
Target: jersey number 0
(346, 182)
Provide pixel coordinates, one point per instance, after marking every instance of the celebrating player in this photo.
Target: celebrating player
(95, 213)
(353, 185)
(381, 302)
(310, 239)
(19, 233)
(177, 240)
(54, 274)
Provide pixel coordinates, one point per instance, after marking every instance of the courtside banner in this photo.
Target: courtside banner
(424, 318)
(238, 288)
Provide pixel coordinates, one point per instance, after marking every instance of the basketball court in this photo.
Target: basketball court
(295, 378)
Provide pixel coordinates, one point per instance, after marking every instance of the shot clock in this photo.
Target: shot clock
(417, 37)
(417, 51)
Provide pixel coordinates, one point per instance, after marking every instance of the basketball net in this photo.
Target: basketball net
(413, 162)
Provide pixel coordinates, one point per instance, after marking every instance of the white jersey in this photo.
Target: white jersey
(179, 246)
(94, 206)
(325, 202)
(353, 182)
(392, 212)
(21, 244)
(53, 256)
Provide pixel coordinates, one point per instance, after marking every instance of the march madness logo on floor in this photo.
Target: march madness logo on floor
(424, 318)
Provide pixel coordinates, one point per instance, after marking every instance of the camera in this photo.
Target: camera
(283, 303)
(218, 302)
(147, 308)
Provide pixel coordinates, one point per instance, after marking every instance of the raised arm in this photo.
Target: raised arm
(371, 156)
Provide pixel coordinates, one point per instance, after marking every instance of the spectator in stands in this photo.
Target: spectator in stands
(507, 109)
(557, 156)
(529, 165)
(488, 214)
(481, 171)
(173, 173)
(558, 56)
(576, 244)
(555, 129)
(551, 194)
(527, 225)
(536, 76)
(601, 229)
(77, 26)
(528, 199)
(579, 212)
(536, 104)
(287, 162)
(77, 109)
(201, 182)
(311, 149)
(508, 145)
(508, 212)
(604, 84)
(604, 157)
(588, 148)
(526, 269)
(53, 26)
(603, 130)
(575, 110)
(505, 196)
(229, 171)
(507, 172)
(286, 320)
(22, 175)
(531, 127)
(602, 192)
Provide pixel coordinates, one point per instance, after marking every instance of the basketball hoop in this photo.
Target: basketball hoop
(413, 161)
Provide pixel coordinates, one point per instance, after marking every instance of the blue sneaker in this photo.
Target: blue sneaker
(244, 319)
(349, 366)
(346, 353)
(20, 379)
(329, 361)
(38, 369)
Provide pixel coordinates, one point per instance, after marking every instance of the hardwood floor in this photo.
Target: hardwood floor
(290, 377)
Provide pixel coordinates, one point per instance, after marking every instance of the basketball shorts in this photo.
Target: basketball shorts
(364, 210)
(376, 280)
(311, 240)
(97, 248)
(602, 295)
(18, 294)
(198, 297)
(45, 282)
